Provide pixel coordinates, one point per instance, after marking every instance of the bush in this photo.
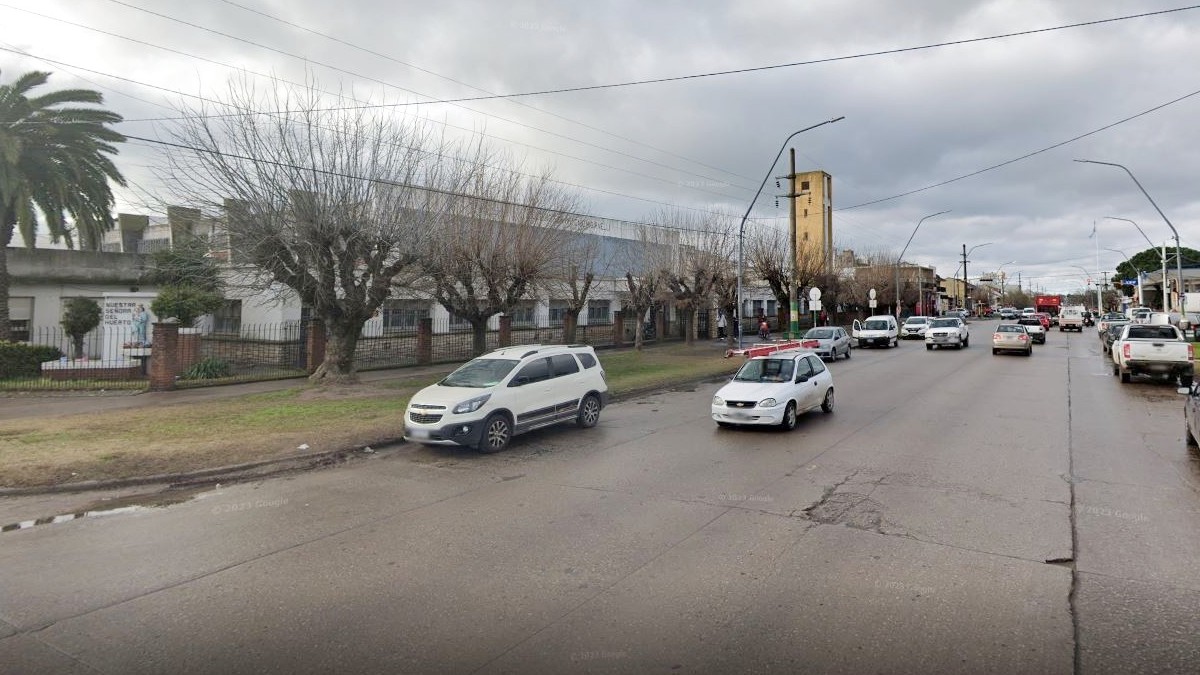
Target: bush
(208, 369)
(185, 303)
(18, 359)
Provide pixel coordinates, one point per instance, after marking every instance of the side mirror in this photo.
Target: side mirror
(801, 378)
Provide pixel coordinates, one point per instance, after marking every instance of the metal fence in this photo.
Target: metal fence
(115, 357)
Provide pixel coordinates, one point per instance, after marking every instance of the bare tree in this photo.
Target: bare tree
(495, 248)
(574, 273)
(875, 270)
(704, 250)
(769, 256)
(645, 269)
(326, 204)
(725, 297)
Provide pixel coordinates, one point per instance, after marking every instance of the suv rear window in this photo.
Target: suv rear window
(564, 364)
(586, 359)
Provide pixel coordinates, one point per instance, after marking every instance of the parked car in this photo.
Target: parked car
(1143, 349)
(1110, 334)
(1034, 326)
(1102, 324)
(914, 327)
(774, 390)
(490, 399)
(1012, 337)
(831, 342)
(881, 330)
(1191, 415)
(947, 331)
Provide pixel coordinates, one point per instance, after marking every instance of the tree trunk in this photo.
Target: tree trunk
(479, 336)
(688, 317)
(77, 340)
(6, 233)
(638, 328)
(338, 367)
(570, 326)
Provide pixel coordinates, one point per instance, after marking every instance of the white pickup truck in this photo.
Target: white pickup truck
(1143, 349)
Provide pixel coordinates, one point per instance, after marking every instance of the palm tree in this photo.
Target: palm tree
(53, 164)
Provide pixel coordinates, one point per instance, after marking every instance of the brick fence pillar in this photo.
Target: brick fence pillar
(164, 356)
(425, 341)
(505, 330)
(618, 338)
(314, 347)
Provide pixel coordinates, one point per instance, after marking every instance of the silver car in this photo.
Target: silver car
(828, 342)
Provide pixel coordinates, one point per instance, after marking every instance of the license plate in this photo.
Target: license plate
(418, 433)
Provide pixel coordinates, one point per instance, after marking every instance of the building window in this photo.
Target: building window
(770, 308)
(803, 185)
(403, 316)
(522, 314)
(558, 312)
(20, 314)
(227, 319)
(599, 311)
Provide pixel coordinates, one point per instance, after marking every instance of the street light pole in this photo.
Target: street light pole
(742, 226)
(1139, 229)
(1178, 257)
(966, 279)
(901, 257)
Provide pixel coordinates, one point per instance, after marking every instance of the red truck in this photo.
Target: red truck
(1050, 304)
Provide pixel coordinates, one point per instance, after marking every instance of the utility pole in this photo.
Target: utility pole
(793, 287)
(966, 295)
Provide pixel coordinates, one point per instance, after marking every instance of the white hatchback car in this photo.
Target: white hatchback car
(490, 399)
(774, 390)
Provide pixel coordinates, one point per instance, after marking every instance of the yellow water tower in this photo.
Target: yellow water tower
(814, 215)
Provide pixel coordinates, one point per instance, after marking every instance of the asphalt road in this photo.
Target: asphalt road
(959, 512)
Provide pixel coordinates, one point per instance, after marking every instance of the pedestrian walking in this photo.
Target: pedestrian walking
(720, 325)
(764, 329)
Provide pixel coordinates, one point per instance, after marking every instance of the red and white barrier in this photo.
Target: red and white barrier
(764, 348)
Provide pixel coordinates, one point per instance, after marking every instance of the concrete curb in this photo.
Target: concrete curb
(280, 465)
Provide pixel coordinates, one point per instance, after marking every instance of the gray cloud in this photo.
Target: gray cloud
(912, 119)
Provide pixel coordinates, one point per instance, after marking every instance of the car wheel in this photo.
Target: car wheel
(827, 404)
(589, 412)
(995, 351)
(725, 425)
(497, 431)
(896, 342)
(1185, 380)
(789, 417)
(1116, 370)
(1126, 378)
(1030, 352)
(966, 342)
(848, 353)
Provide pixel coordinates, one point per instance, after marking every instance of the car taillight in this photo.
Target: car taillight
(996, 336)
(1023, 337)
(1125, 350)
(1191, 352)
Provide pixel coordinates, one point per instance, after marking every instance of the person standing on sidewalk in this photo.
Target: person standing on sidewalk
(720, 325)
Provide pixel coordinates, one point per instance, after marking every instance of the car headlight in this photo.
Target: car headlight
(471, 405)
(718, 401)
(768, 403)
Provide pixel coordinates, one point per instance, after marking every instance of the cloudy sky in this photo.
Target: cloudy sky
(937, 117)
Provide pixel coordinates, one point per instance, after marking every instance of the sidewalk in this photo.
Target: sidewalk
(52, 404)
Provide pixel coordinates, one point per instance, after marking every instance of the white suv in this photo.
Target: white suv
(488, 400)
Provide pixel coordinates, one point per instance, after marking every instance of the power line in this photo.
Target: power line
(338, 174)
(1025, 156)
(574, 185)
(381, 55)
(394, 86)
(794, 64)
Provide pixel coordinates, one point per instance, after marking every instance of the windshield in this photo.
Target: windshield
(1010, 328)
(819, 334)
(480, 373)
(944, 323)
(877, 324)
(1031, 321)
(916, 319)
(766, 370)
